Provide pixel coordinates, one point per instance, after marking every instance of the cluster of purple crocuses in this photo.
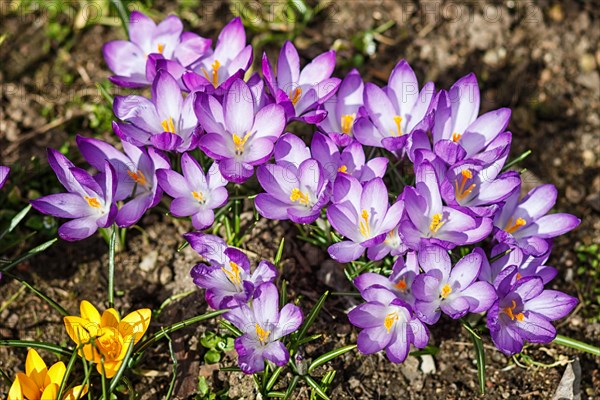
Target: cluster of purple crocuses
(204, 100)
(251, 297)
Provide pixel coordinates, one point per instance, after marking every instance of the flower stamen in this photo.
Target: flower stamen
(240, 143)
(456, 137)
(214, 75)
(168, 125)
(199, 196)
(93, 202)
(299, 196)
(295, 95)
(138, 177)
(346, 123)
(363, 225)
(343, 169)
(436, 223)
(234, 274)
(398, 122)
(446, 290)
(389, 321)
(509, 311)
(263, 335)
(161, 47)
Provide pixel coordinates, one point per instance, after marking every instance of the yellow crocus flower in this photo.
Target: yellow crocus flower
(106, 336)
(40, 382)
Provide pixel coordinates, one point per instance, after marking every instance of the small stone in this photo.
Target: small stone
(574, 195)
(569, 386)
(587, 63)
(149, 261)
(556, 13)
(165, 276)
(427, 364)
(589, 158)
(593, 200)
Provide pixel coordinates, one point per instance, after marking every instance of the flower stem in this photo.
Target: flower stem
(111, 267)
(576, 344)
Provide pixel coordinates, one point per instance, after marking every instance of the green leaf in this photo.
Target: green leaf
(212, 356)
(479, 354)
(41, 295)
(273, 379)
(28, 255)
(516, 160)
(312, 316)
(291, 387)
(209, 340)
(37, 345)
(122, 13)
(279, 253)
(576, 344)
(15, 221)
(329, 356)
(115, 380)
(316, 387)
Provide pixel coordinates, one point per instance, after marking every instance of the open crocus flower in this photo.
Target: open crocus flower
(167, 121)
(263, 324)
(106, 338)
(3, 175)
(301, 92)
(453, 290)
(525, 223)
(237, 135)
(40, 382)
(351, 160)
(231, 283)
(392, 114)
(230, 60)
(130, 60)
(362, 214)
(89, 201)
(504, 257)
(195, 194)
(524, 311)
(399, 282)
(393, 245)
(295, 194)
(135, 175)
(476, 188)
(458, 131)
(430, 222)
(387, 322)
(342, 110)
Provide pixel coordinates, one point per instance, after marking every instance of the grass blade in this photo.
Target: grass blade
(479, 354)
(115, 380)
(15, 221)
(41, 295)
(576, 344)
(37, 345)
(312, 316)
(329, 356)
(122, 13)
(27, 255)
(316, 387)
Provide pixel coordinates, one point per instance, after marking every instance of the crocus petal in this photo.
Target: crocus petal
(277, 353)
(290, 319)
(480, 295)
(132, 211)
(508, 341)
(269, 122)
(372, 340)
(184, 207)
(238, 108)
(173, 183)
(552, 225)
(464, 98)
(466, 270)
(271, 208)
(397, 350)
(345, 251)
(265, 304)
(63, 205)
(288, 67)
(135, 324)
(536, 329)
(368, 315)
(552, 304)
(78, 229)
(538, 201)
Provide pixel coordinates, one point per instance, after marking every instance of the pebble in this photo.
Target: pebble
(149, 261)
(587, 63)
(427, 364)
(589, 158)
(165, 276)
(574, 195)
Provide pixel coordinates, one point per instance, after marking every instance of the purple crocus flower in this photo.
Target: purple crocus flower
(237, 135)
(393, 113)
(362, 214)
(524, 311)
(455, 291)
(301, 92)
(130, 60)
(399, 282)
(3, 175)
(458, 132)
(525, 223)
(135, 175)
(476, 188)
(292, 193)
(229, 61)
(167, 122)
(228, 281)
(527, 265)
(430, 222)
(89, 201)
(393, 245)
(388, 323)
(351, 160)
(342, 110)
(195, 194)
(263, 324)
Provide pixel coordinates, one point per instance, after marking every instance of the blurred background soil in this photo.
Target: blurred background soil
(539, 58)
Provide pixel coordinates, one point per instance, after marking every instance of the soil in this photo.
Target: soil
(540, 59)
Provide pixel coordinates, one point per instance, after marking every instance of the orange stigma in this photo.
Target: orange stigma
(509, 311)
(93, 202)
(346, 123)
(138, 177)
(456, 137)
(461, 192)
(295, 95)
(161, 47)
(389, 321)
(398, 122)
(214, 75)
(512, 227)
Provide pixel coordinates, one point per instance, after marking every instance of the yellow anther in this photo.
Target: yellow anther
(363, 226)
(389, 321)
(234, 274)
(161, 47)
(295, 95)
(138, 177)
(299, 196)
(168, 125)
(343, 169)
(398, 122)
(460, 192)
(214, 75)
(199, 196)
(509, 311)
(446, 290)
(436, 223)
(456, 137)
(512, 228)
(262, 334)
(93, 202)
(346, 123)
(239, 142)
